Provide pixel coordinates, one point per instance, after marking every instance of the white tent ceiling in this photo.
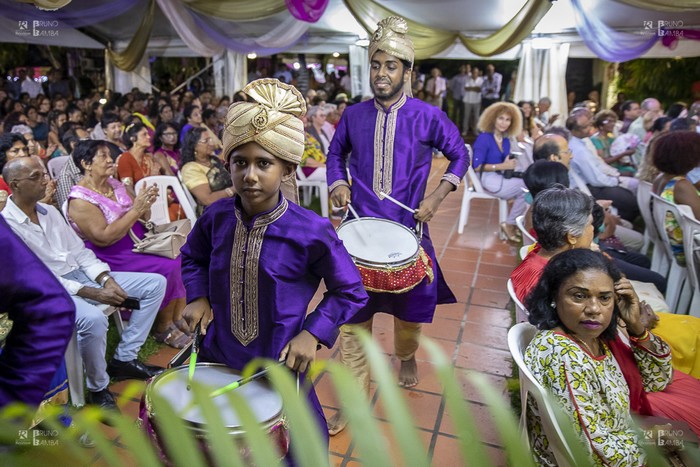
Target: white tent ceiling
(338, 29)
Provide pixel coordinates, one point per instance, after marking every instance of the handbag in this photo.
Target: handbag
(162, 240)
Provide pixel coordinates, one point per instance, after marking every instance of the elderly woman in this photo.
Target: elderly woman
(202, 172)
(494, 162)
(562, 221)
(576, 307)
(671, 183)
(316, 127)
(105, 214)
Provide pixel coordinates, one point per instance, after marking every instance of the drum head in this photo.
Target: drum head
(378, 241)
(264, 401)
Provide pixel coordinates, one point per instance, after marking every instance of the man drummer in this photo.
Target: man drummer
(254, 262)
(391, 139)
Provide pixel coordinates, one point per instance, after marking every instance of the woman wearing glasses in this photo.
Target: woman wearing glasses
(202, 172)
(167, 148)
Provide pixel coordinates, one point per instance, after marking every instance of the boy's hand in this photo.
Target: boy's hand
(300, 351)
(195, 311)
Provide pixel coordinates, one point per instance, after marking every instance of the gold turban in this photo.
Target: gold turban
(273, 120)
(392, 38)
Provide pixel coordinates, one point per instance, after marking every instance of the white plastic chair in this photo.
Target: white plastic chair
(188, 195)
(677, 275)
(55, 165)
(476, 191)
(527, 238)
(74, 362)
(307, 185)
(523, 251)
(691, 246)
(159, 209)
(520, 311)
(519, 336)
(659, 261)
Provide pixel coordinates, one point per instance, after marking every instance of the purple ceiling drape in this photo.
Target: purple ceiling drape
(307, 10)
(81, 12)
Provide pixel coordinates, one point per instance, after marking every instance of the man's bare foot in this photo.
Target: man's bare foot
(336, 423)
(408, 374)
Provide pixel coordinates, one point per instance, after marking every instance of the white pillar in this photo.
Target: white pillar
(125, 81)
(359, 71)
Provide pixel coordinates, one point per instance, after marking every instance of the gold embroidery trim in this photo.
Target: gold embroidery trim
(384, 147)
(245, 267)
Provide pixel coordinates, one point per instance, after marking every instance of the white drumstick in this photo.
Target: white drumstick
(352, 210)
(398, 203)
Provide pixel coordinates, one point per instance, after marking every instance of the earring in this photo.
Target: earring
(553, 305)
(195, 152)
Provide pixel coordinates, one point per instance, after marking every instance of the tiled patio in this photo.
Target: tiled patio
(472, 331)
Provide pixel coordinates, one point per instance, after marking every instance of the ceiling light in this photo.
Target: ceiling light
(296, 65)
(336, 55)
(252, 55)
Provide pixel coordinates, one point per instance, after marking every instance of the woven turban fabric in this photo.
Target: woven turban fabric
(273, 120)
(392, 38)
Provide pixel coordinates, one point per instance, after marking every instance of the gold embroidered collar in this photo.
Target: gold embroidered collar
(244, 267)
(384, 135)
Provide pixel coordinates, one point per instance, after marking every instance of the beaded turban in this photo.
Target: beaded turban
(273, 120)
(392, 38)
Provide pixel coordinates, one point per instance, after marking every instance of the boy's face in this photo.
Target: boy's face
(257, 176)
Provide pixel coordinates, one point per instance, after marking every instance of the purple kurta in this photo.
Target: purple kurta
(119, 255)
(392, 152)
(43, 317)
(260, 276)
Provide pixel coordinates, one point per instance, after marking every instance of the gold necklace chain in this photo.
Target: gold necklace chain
(109, 193)
(580, 341)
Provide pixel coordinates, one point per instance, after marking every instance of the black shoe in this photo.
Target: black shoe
(103, 399)
(132, 370)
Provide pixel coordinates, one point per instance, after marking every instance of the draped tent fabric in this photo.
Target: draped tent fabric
(237, 10)
(307, 10)
(278, 39)
(78, 14)
(605, 42)
(359, 71)
(663, 5)
(431, 41)
(129, 58)
(183, 23)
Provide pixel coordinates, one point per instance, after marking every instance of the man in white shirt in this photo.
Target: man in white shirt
(88, 280)
(589, 168)
(435, 88)
(28, 84)
(491, 87)
(472, 102)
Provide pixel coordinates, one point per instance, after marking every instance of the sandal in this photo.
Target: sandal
(173, 337)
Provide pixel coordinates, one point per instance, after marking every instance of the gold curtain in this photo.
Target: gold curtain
(237, 10)
(132, 55)
(430, 41)
(663, 5)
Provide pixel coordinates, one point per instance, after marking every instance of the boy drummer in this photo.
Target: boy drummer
(254, 262)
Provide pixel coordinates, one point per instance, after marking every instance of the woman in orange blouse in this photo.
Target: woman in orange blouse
(137, 162)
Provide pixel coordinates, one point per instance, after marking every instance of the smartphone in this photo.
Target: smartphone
(131, 303)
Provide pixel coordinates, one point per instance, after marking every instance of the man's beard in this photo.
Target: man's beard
(390, 94)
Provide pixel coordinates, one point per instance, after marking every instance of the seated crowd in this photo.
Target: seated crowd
(583, 281)
(608, 347)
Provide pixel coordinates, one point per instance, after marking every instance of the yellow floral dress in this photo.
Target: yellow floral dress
(594, 393)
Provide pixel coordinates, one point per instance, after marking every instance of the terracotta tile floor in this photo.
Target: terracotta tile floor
(472, 332)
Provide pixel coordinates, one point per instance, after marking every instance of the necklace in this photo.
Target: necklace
(109, 193)
(595, 354)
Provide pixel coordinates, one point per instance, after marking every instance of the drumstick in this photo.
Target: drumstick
(193, 355)
(352, 210)
(397, 202)
(242, 381)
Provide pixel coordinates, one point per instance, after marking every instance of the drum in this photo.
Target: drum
(171, 385)
(388, 254)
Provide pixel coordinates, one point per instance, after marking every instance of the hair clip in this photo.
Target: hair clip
(129, 126)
